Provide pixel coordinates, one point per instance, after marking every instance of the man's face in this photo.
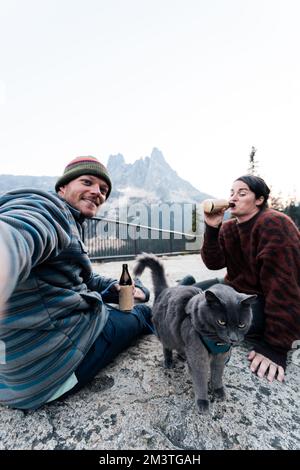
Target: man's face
(86, 193)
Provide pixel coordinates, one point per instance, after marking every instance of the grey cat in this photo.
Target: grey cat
(201, 326)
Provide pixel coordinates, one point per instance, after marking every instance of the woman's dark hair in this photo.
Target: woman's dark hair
(258, 187)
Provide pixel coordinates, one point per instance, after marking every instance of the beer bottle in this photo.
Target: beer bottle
(126, 291)
(211, 206)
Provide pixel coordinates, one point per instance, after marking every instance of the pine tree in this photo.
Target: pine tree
(293, 211)
(253, 163)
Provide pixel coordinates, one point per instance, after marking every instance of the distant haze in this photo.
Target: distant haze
(150, 180)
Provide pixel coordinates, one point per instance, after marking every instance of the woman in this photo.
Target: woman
(260, 247)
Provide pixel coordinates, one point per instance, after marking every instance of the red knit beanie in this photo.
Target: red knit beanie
(84, 166)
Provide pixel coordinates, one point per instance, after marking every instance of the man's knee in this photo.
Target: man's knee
(143, 313)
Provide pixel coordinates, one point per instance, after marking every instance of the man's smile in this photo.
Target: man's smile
(91, 201)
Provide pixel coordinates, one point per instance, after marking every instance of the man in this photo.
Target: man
(56, 330)
(260, 248)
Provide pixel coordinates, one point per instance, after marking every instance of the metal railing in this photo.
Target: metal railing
(110, 239)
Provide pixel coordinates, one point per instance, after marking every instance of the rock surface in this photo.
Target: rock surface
(136, 404)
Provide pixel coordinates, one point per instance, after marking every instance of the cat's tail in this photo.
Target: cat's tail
(148, 260)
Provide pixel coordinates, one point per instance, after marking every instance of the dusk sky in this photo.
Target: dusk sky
(202, 80)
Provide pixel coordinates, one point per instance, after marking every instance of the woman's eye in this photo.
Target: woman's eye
(221, 322)
(241, 325)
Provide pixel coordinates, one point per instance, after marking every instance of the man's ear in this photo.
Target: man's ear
(61, 190)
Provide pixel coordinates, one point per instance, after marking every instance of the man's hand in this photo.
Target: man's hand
(264, 366)
(115, 287)
(138, 294)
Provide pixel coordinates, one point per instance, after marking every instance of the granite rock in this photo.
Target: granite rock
(135, 403)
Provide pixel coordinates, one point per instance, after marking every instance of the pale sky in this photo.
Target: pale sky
(202, 80)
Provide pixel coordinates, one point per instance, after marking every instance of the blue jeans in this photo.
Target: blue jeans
(119, 332)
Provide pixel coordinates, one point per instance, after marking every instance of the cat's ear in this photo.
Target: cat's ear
(211, 298)
(248, 299)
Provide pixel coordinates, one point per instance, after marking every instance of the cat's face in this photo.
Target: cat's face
(224, 314)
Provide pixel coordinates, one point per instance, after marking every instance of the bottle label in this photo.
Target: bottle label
(126, 298)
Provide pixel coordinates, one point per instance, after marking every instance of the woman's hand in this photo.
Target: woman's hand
(264, 366)
(215, 219)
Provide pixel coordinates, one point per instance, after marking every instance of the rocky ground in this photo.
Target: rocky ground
(136, 404)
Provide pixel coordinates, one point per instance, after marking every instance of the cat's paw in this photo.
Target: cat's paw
(168, 358)
(168, 364)
(219, 394)
(203, 406)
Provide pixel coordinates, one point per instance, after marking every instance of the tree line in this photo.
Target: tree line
(290, 206)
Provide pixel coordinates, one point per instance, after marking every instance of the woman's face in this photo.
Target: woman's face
(245, 203)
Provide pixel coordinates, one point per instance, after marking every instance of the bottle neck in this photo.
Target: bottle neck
(125, 279)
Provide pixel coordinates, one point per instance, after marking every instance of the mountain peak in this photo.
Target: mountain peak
(157, 156)
(153, 175)
(115, 160)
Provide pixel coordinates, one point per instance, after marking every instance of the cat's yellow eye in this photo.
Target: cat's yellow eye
(242, 325)
(221, 322)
